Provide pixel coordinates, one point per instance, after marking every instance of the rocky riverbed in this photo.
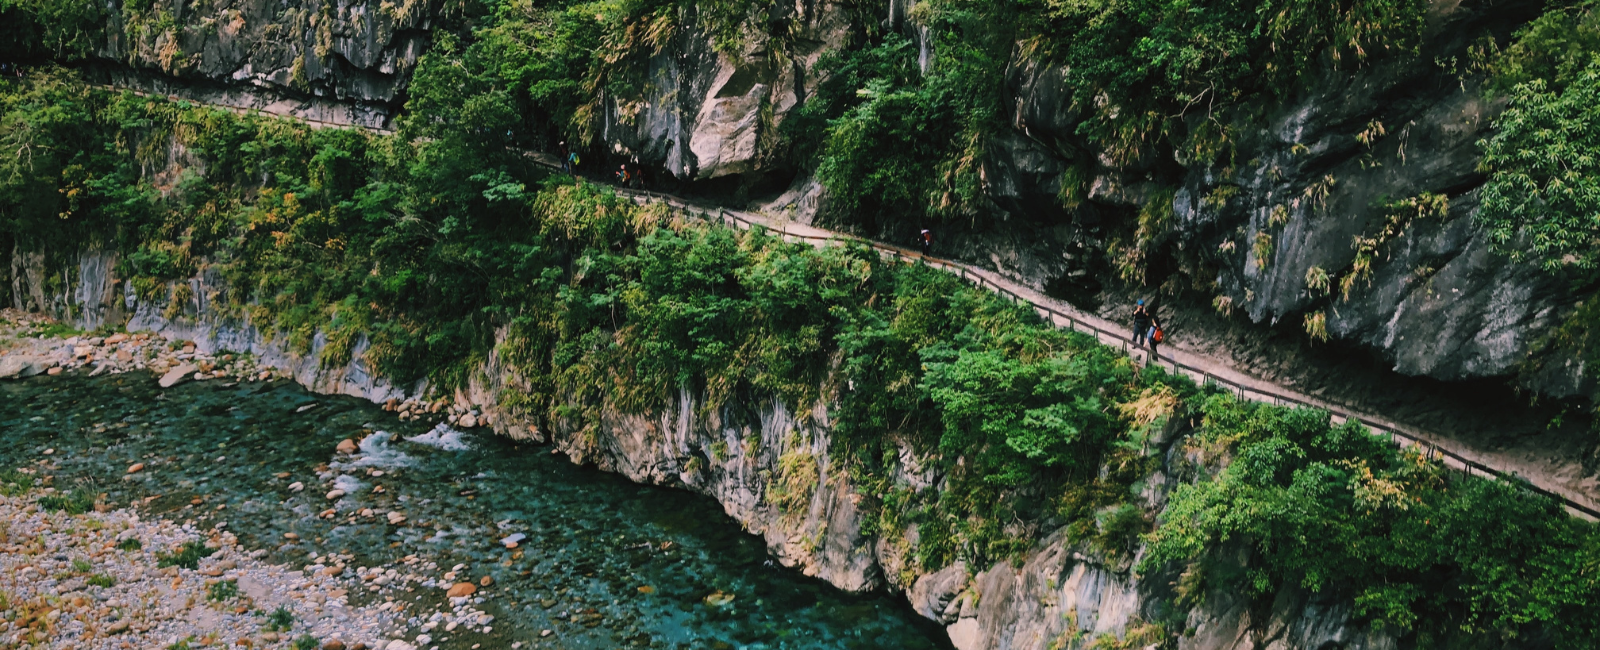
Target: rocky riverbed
(108, 579)
(393, 525)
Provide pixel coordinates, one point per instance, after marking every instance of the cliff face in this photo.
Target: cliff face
(1309, 179)
(705, 114)
(1311, 175)
(345, 61)
(1058, 594)
(1312, 178)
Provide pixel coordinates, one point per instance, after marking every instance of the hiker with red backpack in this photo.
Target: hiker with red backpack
(1146, 329)
(1155, 336)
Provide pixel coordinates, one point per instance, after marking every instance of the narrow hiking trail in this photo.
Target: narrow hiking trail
(1580, 495)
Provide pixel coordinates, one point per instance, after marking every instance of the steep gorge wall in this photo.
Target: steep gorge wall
(342, 62)
(711, 116)
(1311, 174)
(1439, 302)
(1059, 594)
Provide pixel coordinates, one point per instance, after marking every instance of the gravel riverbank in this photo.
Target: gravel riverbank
(112, 580)
(89, 576)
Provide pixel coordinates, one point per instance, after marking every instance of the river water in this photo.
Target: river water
(605, 563)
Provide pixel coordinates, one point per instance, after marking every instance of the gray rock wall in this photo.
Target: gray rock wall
(703, 114)
(1060, 594)
(340, 61)
(1438, 302)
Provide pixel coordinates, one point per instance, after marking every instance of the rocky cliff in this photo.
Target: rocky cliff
(1310, 176)
(1298, 224)
(1352, 203)
(343, 62)
(770, 468)
(1313, 175)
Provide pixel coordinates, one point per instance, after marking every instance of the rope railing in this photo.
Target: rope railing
(1429, 449)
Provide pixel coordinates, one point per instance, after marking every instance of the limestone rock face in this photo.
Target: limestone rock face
(771, 468)
(708, 114)
(339, 61)
(1311, 173)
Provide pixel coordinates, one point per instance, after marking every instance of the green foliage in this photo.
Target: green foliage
(100, 580)
(1136, 63)
(187, 556)
(305, 642)
(14, 483)
(893, 140)
(1022, 415)
(130, 544)
(280, 620)
(1150, 78)
(75, 502)
(1336, 509)
(1138, 635)
(1557, 47)
(82, 566)
(1543, 160)
(223, 590)
(51, 29)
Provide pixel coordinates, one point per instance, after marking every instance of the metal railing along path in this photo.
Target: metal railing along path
(1056, 316)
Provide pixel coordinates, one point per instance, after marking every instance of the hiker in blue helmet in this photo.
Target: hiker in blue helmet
(1141, 322)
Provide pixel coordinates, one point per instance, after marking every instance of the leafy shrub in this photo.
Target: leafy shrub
(100, 580)
(187, 556)
(75, 502)
(1542, 191)
(130, 544)
(46, 29)
(1336, 509)
(14, 483)
(280, 620)
(222, 590)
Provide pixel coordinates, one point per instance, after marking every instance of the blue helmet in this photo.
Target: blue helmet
(1140, 303)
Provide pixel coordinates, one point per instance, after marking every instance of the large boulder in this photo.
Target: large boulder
(19, 366)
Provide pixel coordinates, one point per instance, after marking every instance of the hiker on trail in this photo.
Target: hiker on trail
(622, 175)
(571, 164)
(1141, 322)
(636, 174)
(1155, 336)
(926, 242)
(561, 149)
